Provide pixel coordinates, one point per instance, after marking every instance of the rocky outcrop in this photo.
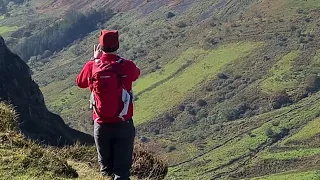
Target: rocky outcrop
(35, 121)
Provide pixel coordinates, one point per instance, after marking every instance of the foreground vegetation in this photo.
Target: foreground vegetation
(24, 159)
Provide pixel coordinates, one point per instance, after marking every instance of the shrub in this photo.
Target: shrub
(280, 99)
(232, 114)
(170, 148)
(275, 123)
(202, 114)
(144, 139)
(8, 118)
(269, 133)
(147, 166)
(192, 112)
(222, 76)
(170, 15)
(181, 107)
(210, 41)
(169, 118)
(201, 102)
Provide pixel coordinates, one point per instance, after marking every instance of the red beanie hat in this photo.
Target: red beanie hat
(109, 40)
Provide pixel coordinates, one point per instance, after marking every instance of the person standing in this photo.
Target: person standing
(109, 78)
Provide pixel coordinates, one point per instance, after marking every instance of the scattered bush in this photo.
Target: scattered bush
(147, 166)
(144, 139)
(170, 148)
(170, 15)
(169, 118)
(269, 133)
(280, 99)
(276, 136)
(275, 123)
(181, 107)
(8, 118)
(202, 114)
(210, 41)
(222, 76)
(232, 114)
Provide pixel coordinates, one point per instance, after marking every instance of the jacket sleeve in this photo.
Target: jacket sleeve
(82, 78)
(131, 70)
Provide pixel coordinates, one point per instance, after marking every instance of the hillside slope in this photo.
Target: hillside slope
(24, 159)
(225, 83)
(35, 121)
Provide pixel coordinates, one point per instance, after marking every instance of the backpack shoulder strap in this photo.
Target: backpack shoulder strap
(120, 60)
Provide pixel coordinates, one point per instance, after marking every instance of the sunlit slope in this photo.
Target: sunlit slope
(254, 146)
(204, 65)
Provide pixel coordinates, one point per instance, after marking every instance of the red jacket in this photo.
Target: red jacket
(131, 71)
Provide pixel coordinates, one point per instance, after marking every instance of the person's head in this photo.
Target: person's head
(109, 41)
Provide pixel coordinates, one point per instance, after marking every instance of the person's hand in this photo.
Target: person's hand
(97, 51)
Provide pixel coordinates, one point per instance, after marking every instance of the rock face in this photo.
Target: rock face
(35, 121)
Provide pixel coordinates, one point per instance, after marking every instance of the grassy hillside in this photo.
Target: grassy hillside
(269, 141)
(228, 90)
(24, 159)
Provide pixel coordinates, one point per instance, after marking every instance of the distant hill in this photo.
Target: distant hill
(229, 88)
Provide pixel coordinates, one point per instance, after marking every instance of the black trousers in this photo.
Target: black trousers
(114, 144)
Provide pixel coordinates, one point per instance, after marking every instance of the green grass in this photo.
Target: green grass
(293, 116)
(168, 70)
(310, 4)
(286, 155)
(281, 76)
(307, 132)
(6, 29)
(1, 18)
(309, 175)
(24, 159)
(171, 92)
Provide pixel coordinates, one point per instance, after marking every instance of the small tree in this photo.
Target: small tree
(269, 133)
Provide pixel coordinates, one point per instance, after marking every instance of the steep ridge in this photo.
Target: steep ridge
(35, 121)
